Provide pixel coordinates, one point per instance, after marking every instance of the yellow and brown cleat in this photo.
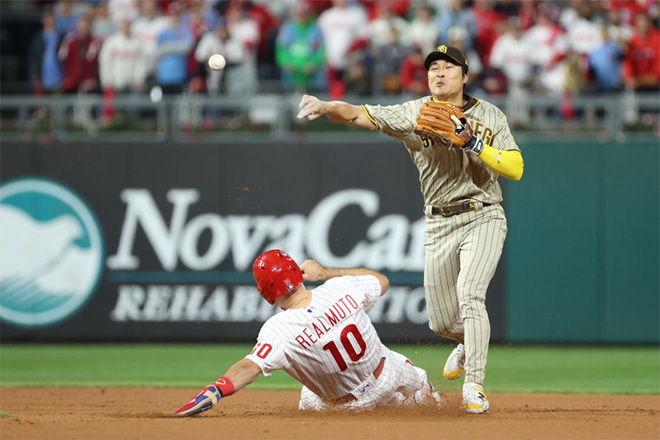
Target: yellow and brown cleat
(474, 398)
(455, 362)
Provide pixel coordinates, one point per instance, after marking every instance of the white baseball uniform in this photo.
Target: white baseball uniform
(332, 348)
(462, 251)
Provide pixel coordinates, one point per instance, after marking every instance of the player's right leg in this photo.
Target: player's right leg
(455, 364)
(440, 279)
(441, 268)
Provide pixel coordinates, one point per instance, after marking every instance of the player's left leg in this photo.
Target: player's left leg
(479, 255)
(412, 382)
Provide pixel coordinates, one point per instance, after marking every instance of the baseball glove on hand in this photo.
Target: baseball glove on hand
(442, 122)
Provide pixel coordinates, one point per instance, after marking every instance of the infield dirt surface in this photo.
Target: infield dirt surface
(144, 413)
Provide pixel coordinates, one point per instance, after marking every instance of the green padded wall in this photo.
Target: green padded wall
(582, 260)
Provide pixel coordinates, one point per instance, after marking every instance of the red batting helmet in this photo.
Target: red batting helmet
(276, 274)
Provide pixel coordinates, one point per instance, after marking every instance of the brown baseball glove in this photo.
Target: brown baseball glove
(442, 122)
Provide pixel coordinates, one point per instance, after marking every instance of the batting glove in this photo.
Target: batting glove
(203, 401)
(464, 131)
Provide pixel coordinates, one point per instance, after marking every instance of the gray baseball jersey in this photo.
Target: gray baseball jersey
(332, 348)
(462, 251)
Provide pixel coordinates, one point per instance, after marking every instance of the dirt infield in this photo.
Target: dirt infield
(136, 413)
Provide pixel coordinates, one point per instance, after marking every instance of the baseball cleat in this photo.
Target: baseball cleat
(203, 401)
(474, 398)
(455, 362)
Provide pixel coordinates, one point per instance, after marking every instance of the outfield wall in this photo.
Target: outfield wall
(155, 243)
(582, 252)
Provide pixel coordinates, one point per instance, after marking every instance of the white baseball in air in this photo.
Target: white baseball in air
(217, 62)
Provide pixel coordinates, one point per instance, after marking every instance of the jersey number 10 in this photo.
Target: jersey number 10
(348, 346)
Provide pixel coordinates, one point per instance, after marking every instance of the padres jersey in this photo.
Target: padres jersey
(330, 346)
(449, 174)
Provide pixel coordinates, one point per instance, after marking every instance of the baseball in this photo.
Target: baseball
(217, 62)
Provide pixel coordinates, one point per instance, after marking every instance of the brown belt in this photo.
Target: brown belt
(350, 397)
(457, 208)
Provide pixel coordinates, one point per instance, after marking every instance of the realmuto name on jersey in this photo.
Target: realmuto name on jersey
(335, 314)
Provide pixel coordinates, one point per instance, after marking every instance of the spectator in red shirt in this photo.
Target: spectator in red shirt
(641, 67)
(630, 9)
(527, 14)
(79, 56)
(487, 18)
(413, 73)
(195, 21)
(399, 8)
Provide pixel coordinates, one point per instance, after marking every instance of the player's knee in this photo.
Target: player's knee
(474, 293)
(472, 306)
(441, 328)
(435, 327)
(310, 401)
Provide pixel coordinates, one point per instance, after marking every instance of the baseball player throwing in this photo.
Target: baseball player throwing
(323, 339)
(460, 145)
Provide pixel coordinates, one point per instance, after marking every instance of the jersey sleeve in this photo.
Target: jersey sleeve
(269, 352)
(503, 137)
(397, 121)
(371, 288)
(368, 286)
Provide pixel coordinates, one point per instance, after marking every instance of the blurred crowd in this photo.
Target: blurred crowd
(340, 47)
